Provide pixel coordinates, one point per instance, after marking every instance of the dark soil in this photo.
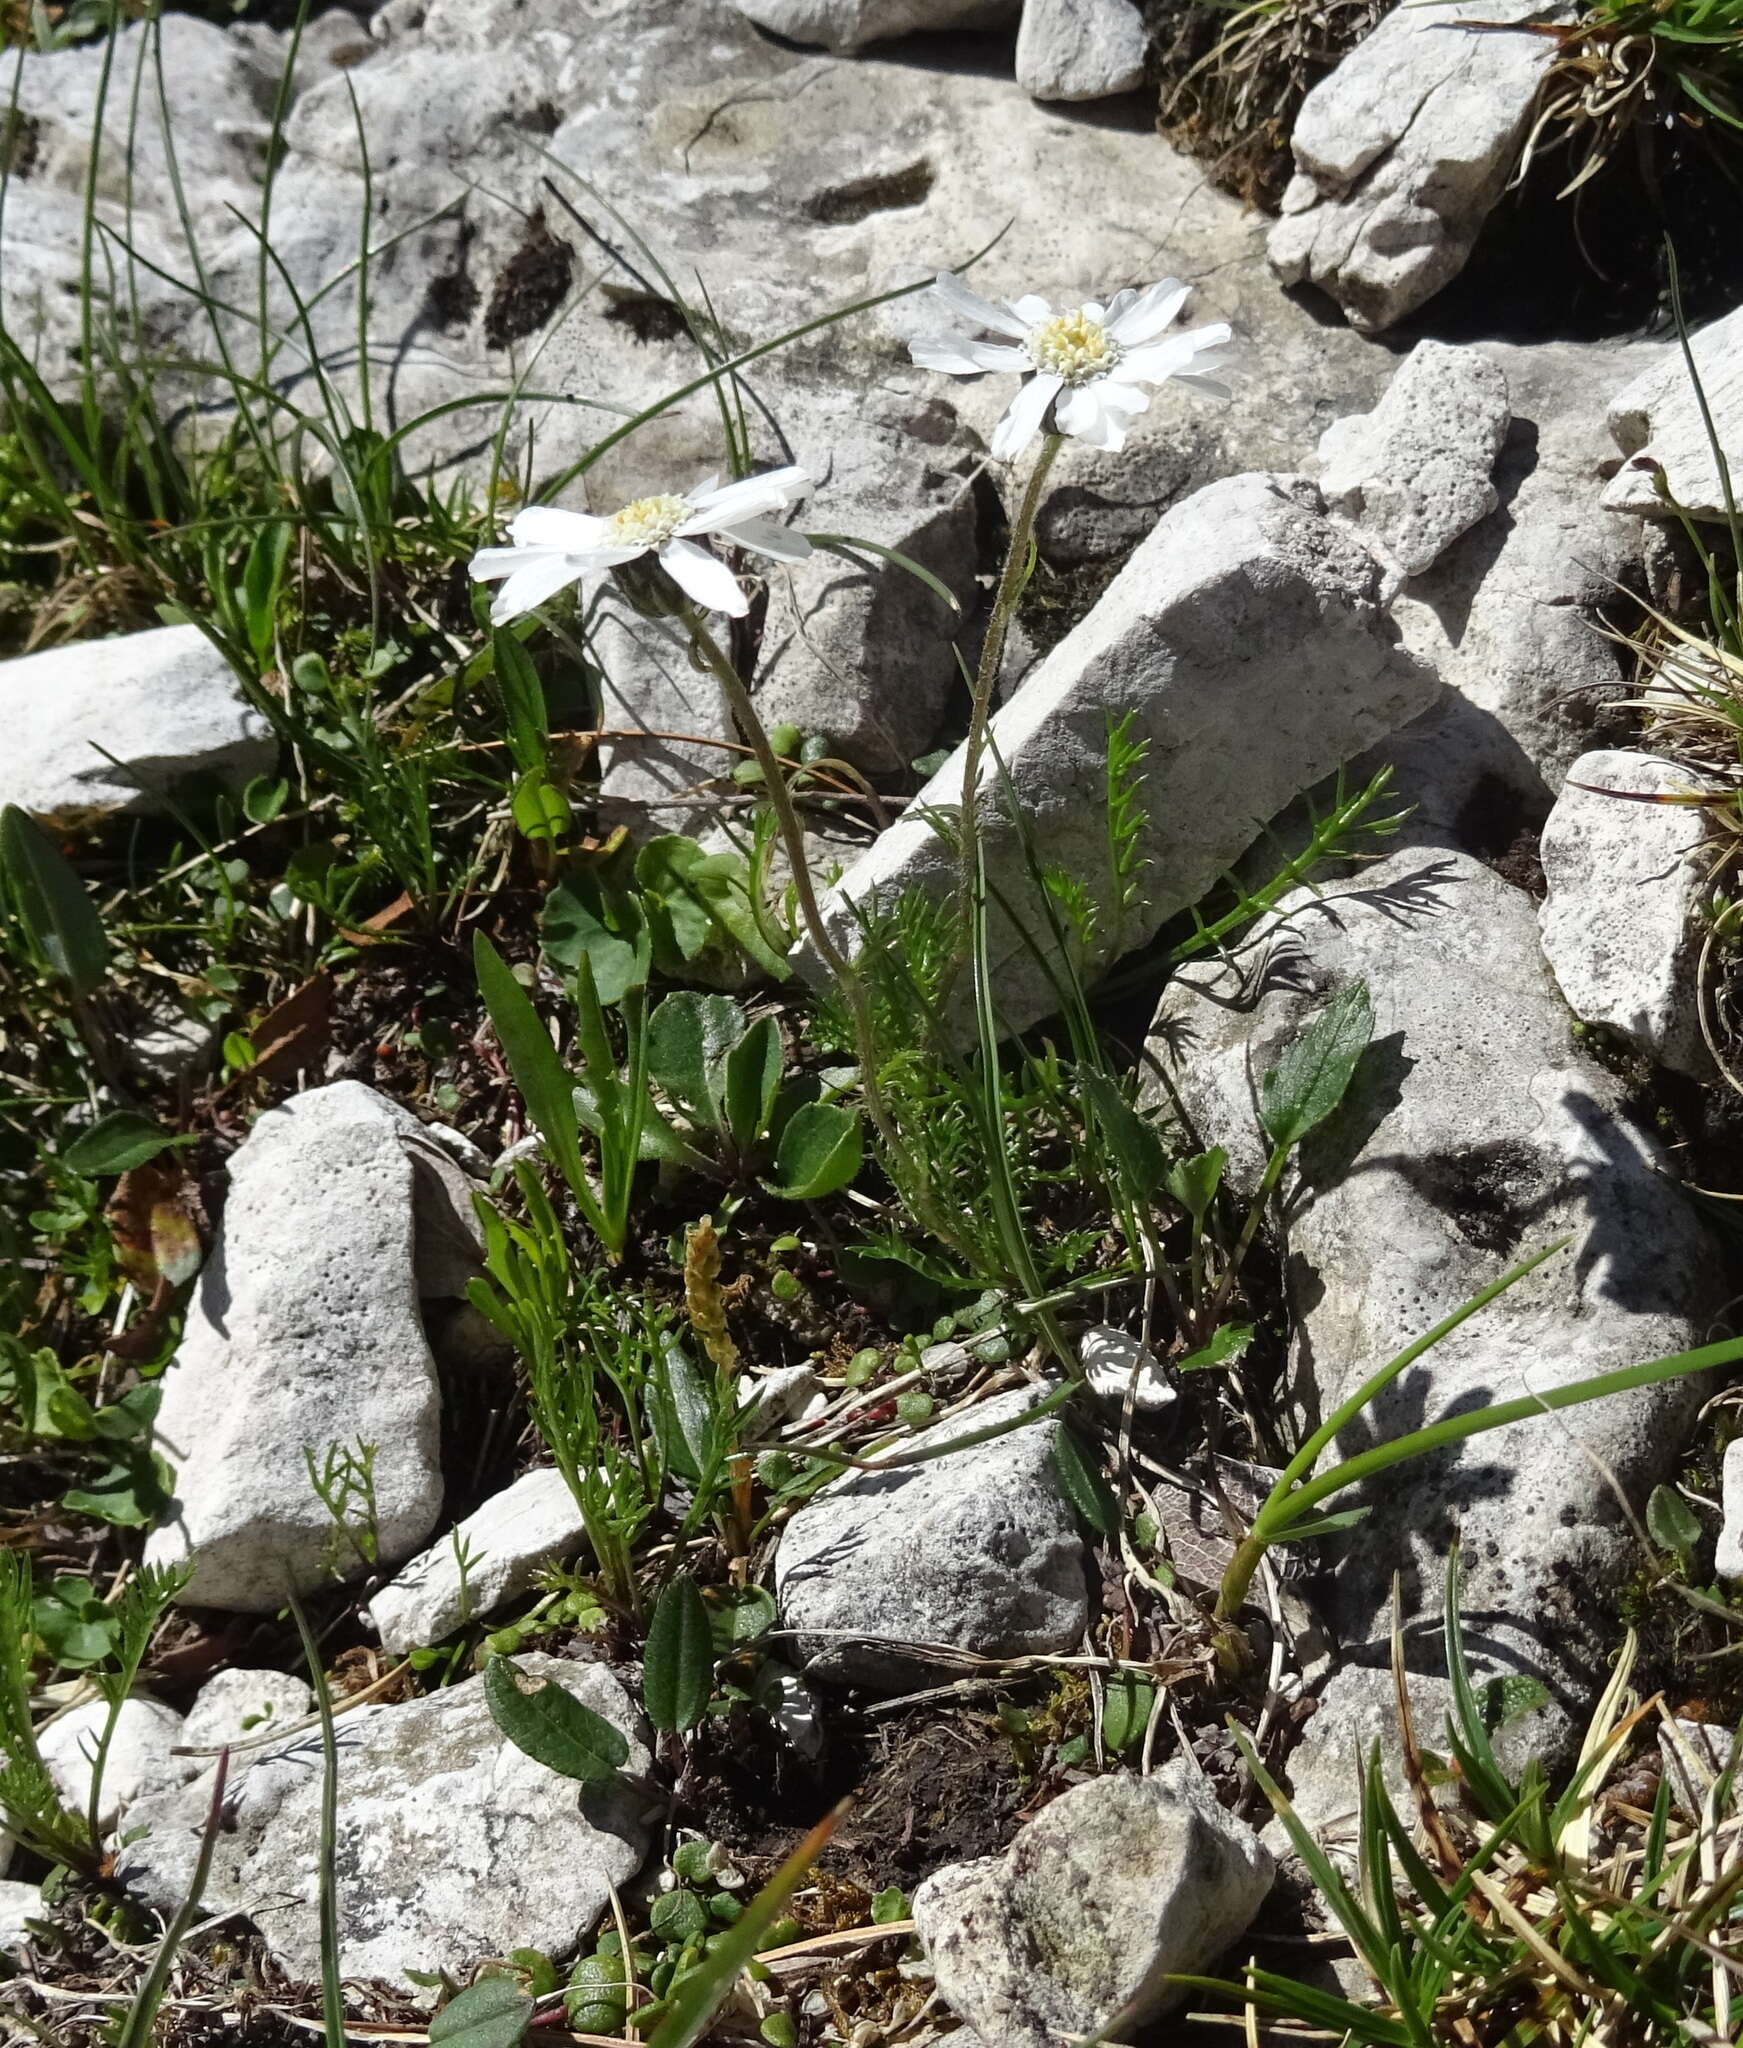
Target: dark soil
(533, 284)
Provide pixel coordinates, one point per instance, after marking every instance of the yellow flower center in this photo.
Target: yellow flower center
(648, 523)
(1073, 346)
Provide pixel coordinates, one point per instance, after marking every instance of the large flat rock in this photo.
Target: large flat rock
(451, 1843)
(114, 725)
(1403, 150)
(1247, 640)
(1475, 1132)
(305, 1337)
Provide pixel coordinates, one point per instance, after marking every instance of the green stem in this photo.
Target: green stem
(842, 971)
(1206, 1327)
(1012, 576)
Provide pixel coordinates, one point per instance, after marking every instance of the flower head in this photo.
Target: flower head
(1087, 363)
(551, 549)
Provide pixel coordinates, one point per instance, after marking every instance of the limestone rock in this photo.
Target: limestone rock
(978, 1552)
(305, 1334)
(847, 24)
(244, 1706)
(1512, 615)
(1247, 639)
(452, 1843)
(663, 782)
(1403, 150)
(139, 1761)
(864, 656)
(1418, 470)
(1115, 1886)
(1619, 925)
(1474, 1133)
(165, 703)
(218, 101)
(1658, 425)
(1357, 1709)
(532, 1523)
(1728, 1559)
(19, 1905)
(1080, 49)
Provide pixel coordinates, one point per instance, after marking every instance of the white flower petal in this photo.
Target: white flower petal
(1210, 387)
(999, 355)
(1022, 420)
(1151, 311)
(1101, 415)
(950, 291)
(547, 526)
(1118, 304)
(539, 575)
(784, 543)
(773, 491)
(1093, 309)
(703, 577)
(958, 356)
(1079, 413)
(490, 565)
(954, 354)
(1195, 350)
(1032, 308)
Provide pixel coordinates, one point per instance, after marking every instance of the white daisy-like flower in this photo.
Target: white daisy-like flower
(551, 549)
(1088, 362)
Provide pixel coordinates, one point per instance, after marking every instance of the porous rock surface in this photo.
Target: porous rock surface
(1247, 639)
(1728, 1558)
(1473, 1133)
(115, 725)
(19, 1904)
(139, 1759)
(847, 24)
(530, 1524)
(1660, 426)
(1080, 49)
(1403, 149)
(305, 1334)
(1116, 1885)
(1418, 470)
(245, 1706)
(978, 1552)
(451, 1842)
(1620, 927)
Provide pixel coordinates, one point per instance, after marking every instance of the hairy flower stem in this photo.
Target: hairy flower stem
(912, 1172)
(1012, 576)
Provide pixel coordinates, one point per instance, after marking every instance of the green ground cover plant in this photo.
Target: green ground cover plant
(712, 1184)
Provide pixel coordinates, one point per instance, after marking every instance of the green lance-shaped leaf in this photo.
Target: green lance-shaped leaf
(750, 1074)
(525, 719)
(1310, 1079)
(678, 1668)
(546, 1085)
(51, 904)
(115, 1143)
(493, 2014)
(552, 1726)
(1083, 1484)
